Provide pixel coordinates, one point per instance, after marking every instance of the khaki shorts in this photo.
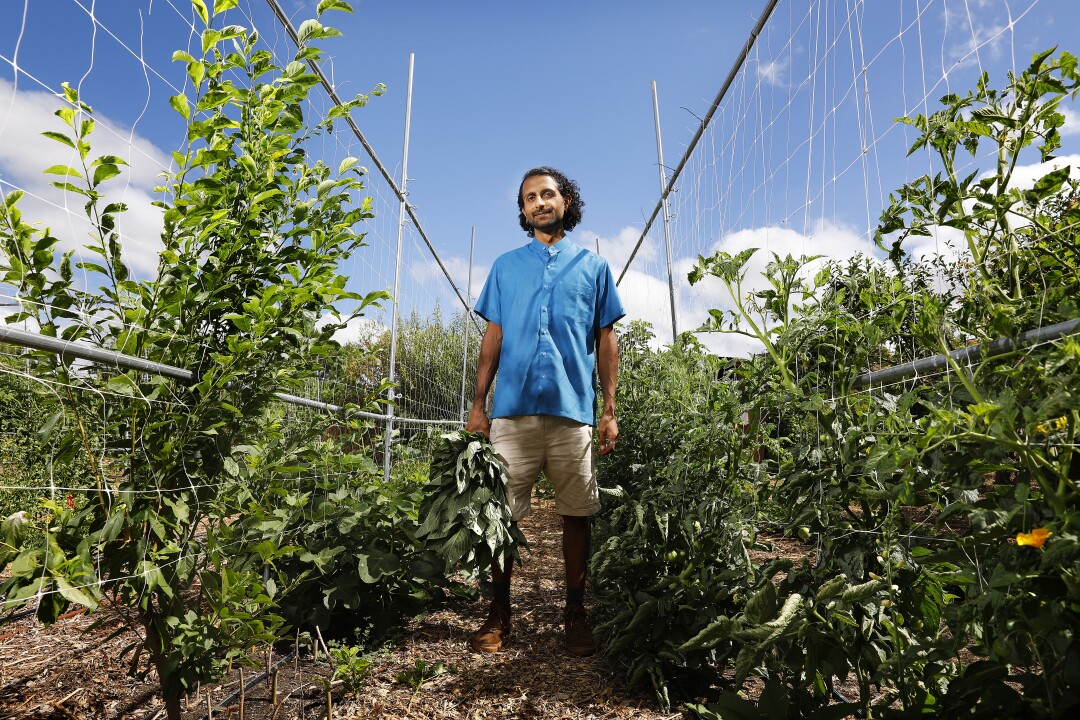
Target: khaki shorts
(561, 448)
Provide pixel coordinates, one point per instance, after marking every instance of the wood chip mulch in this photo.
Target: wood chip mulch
(67, 673)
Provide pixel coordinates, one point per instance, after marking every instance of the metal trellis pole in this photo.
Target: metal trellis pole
(283, 19)
(465, 325)
(113, 359)
(667, 216)
(403, 218)
(701, 130)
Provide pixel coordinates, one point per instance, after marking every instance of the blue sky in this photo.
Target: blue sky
(503, 86)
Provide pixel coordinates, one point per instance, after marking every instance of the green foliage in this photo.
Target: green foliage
(351, 665)
(916, 500)
(464, 515)
(428, 365)
(253, 234)
(28, 414)
(421, 672)
(338, 542)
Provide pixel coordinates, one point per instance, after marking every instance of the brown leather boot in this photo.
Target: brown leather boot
(579, 636)
(495, 631)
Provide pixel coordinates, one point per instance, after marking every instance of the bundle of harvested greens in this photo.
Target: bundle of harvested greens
(464, 514)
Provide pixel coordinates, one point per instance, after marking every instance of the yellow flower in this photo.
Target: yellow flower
(1035, 538)
(1061, 423)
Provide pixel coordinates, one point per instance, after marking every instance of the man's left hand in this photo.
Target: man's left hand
(609, 433)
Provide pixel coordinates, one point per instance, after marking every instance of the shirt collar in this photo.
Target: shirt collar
(544, 250)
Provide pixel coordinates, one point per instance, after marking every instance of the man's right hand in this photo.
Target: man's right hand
(479, 422)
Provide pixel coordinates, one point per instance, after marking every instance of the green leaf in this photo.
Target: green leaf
(196, 71)
(46, 431)
(346, 164)
(62, 170)
(60, 138)
(180, 103)
(105, 172)
(122, 385)
(232, 469)
(221, 6)
(325, 5)
(200, 9)
(375, 564)
(74, 594)
(248, 163)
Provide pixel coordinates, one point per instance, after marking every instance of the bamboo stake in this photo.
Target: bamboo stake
(241, 693)
(323, 643)
(209, 707)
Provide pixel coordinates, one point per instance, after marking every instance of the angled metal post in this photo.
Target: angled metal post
(701, 130)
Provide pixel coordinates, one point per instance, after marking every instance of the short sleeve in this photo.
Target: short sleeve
(609, 306)
(487, 305)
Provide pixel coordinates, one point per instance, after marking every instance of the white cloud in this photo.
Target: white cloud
(977, 32)
(616, 250)
(1072, 121)
(645, 292)
(24, 154)
(773, 72)
(1024, 176)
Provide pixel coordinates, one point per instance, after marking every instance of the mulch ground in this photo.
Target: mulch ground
(70, 673)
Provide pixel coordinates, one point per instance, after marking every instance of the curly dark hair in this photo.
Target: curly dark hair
(567, 188)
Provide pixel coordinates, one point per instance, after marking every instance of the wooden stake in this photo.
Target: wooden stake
(329, 705)
(241, 693)
(323, 642)
(209, 707)
(273, 687)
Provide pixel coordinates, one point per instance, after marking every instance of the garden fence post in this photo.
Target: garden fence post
(465, 324)
(402, 219)
(667, 216)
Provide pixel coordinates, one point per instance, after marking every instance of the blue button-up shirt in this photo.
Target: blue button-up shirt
(550, 303)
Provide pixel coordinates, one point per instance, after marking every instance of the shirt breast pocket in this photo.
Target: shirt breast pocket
(578, 302)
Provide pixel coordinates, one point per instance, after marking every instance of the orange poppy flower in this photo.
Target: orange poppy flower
(1035, 538)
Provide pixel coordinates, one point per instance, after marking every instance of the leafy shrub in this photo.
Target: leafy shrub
(941, 511)
(253, 234)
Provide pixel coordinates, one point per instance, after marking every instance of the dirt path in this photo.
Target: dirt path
(65, 672)
(532, 678)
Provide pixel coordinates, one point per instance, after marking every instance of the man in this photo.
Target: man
(551, 306)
